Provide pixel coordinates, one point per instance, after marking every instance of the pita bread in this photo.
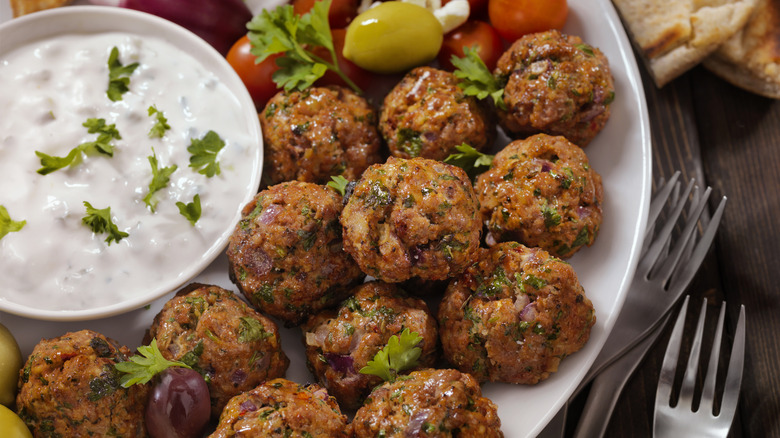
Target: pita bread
(674, 36)
(22, 7)
(751, 58)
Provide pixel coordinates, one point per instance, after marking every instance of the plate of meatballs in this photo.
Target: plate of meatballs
(509, 273)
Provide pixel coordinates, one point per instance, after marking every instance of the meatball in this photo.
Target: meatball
(70, 387)
(427, 115)
(408, 218)
(340, 342)
(220, 336)
(431, 403)
(286, 253)
(555, 84)
(513, 315)
(321, 132)
(542, 192)
(281, 408)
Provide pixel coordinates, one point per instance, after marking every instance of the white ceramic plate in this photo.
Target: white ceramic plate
(621, 154)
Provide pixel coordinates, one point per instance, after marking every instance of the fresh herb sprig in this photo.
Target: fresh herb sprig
(476, 78)
(99, 220)
(102, 145)
(204, 153)
(190, 210)
(401, 353)
(8, 225)
(338, 183)
(296, 36)
(140, 369)
(160, 124)
(471, 160)
(118, 76)
(160, 179)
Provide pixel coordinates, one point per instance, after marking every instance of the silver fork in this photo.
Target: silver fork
(681, 420)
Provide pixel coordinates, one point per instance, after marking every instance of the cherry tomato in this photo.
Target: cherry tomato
(469, 34)
(515, 18)
(341, 12)
(361, 77)
(476, 7)
(256, 77)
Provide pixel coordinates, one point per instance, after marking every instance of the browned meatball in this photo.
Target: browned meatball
(542, 192)
(514, 315)
(427, 115)
(340, 342)
(555, 84)
(69, 387)
(429, 403)
(314, 134)
(220, 336)
(410, 218)
(281, 408)
(286, 253)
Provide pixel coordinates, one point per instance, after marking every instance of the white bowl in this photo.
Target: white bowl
(241, 163)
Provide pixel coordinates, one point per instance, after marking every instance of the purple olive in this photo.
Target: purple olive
(179, 405)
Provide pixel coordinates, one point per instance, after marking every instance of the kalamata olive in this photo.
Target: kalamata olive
(393, 37)
(10, 363)
(179, 405)
(11, 425)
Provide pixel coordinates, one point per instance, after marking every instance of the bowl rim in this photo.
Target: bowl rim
(92, 19)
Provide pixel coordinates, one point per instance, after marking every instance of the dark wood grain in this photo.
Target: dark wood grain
(729, 139)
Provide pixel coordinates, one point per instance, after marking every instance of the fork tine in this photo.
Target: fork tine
(689, 378)
(708, 390)
(648, 261)
(659, 199)
(666, 379)
(734, 375)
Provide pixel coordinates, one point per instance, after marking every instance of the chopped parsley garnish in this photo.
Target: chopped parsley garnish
(400, 353)
(204, 153)
(551, 215)
(251, 330)
(8, 225)
(99, 220)
(160, 179)
(101, 145)
(190, 210)
(118, 76)
(471, 160)
(141, 368)
(476, 79)
(338, 183)
(160, 125)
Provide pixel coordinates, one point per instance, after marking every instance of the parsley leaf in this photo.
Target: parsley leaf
(400, 353)
(160, 125)
(118, 76)
(296, 37)
(471, 160)
(101, 145)
(141, 368)
(476, 78)
(100, 222)
(251, 330)
(160, 179)
(204, 153)
(339, 183)
(8, 225)
(190, 210)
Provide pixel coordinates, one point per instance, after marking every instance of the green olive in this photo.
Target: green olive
(393, 37)
(11, 425)
(10, 364)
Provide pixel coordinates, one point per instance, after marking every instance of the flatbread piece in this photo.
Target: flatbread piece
(22, 7)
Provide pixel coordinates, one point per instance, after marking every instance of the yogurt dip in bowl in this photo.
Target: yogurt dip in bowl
(115, 125)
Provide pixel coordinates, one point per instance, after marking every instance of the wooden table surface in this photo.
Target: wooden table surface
(728, 139)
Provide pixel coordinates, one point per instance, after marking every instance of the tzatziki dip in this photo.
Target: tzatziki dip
(114, 149)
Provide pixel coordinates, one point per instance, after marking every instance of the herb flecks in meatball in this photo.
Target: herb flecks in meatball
(427, 115)
(412, 218)
(214, 332)
(556, 84)
(431, 403)
(514, 315)
(69, 387)
(542, 192)
(286, 253)
(317, 133)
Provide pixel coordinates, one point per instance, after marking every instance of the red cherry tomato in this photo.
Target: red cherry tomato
(361, 77)
(469, 34)
(476, 7)
(341, 12)
(256, 77)
(515, 18)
